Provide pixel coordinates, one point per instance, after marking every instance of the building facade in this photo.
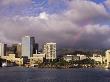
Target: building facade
(69, 58)
(17, 49)
(2, 49)
(98, 58)
(37, 59)
(35, 48)
(27, 46)
(107, 58)
(82, 57)
(13, 59)
(50, 51)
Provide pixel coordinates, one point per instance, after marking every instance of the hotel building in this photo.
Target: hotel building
(50, 51)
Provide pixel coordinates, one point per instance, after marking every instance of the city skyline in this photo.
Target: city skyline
(54, 40)
(69, 23)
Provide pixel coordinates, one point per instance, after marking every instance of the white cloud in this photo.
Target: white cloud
(86, 11)
(43, 15)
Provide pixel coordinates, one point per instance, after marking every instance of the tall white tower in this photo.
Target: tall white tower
(27, 46)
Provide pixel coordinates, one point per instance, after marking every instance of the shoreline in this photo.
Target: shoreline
(55, 67)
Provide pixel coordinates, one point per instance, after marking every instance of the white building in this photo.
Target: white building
(68, 58)
(108, 57)
(97, 58)
(37, 59)
(2, 49)
(82, 57)
(50, 51)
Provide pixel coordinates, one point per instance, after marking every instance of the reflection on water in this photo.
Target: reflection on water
(18, 74)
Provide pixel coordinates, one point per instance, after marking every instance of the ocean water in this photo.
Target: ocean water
(21, 74)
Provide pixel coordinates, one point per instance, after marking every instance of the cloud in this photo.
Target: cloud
(85, 12)
(43, 15)
(84, 24)
(8, 2)
(107, 3)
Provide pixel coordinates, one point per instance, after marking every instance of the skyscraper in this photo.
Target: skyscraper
(27, 46)
(17, 49)
(2, 49)
(35, 48)
(50, 51)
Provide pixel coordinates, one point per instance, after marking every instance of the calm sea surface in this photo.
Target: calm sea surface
(19, 74)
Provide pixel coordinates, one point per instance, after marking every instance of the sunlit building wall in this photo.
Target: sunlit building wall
(97, 58)
(50, 51)
(108, 57)
(27, 46)
(12, 58)
(82, 57)
(2, 49)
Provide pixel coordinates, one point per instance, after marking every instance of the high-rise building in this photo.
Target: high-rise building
(50, 51)
(35, 48)
(17, 49)
(11, 49)
(2, 49)
(27, 46)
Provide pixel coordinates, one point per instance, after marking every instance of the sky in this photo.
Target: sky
(69, 23)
